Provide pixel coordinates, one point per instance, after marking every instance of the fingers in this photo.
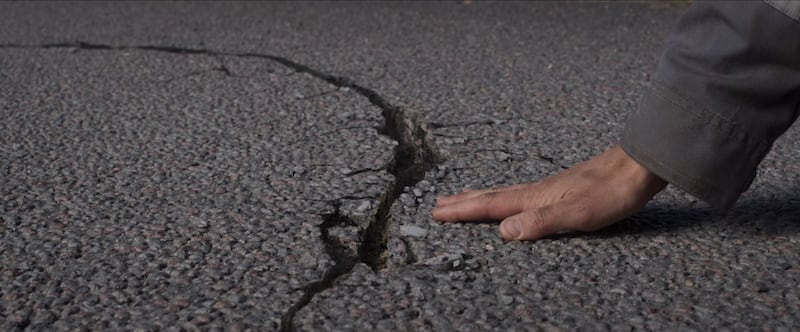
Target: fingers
(491, 205)
(587, 197)
(466, 194)
(472, 193)
(534, 224)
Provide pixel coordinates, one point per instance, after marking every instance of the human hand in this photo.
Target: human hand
(589, 196)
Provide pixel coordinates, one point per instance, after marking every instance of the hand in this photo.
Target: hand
(586, 197)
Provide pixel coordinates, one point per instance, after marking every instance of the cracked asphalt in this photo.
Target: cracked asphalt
(272, 166)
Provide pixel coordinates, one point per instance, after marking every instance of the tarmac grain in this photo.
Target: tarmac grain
(152, 190)
(155, 189)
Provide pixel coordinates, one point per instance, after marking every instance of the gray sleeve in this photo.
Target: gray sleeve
(727, 86)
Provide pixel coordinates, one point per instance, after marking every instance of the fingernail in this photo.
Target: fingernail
(511, 229)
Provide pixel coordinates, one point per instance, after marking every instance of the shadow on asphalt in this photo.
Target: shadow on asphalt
(760, 215)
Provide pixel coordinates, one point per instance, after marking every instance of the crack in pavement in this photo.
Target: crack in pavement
(551, 160)
(414, 155)
(436, 125)
(343, 264)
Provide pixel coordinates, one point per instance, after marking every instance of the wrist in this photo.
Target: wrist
(641, 177)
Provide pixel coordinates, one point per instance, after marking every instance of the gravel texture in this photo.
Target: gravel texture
(144, 189)
(208, 165)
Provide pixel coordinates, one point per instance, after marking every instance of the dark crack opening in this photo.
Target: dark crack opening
(413, 157)
(551, 160)
(343, 260)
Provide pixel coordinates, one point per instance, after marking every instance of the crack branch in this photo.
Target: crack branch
(551, 160)
(361, 171)
(414, 155)
(435, 125)
(466, 139)
(343, 264)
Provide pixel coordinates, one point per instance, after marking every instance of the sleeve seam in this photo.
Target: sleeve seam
(695, 187)
(693, 184)
(681, 105)
(730, 128)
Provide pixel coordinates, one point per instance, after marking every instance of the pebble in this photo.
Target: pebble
(114, 231)
(445, 262)
(365, 205)
(271, 250)
(198, 222)
(407, 200)
(414, 231)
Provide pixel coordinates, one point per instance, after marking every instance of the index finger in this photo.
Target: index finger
(490, 205)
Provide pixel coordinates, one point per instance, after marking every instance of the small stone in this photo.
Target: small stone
(417, 192)
(298, 170)
(198, 222)
(506, 299)
(445, 262)
(203, 319)
(398, 253)
(411, 230)
(407, 200)
(365, 205)
(424, 185)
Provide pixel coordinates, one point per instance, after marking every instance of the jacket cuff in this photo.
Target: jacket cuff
(692, 146)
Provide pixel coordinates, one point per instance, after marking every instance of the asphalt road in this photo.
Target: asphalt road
(272, 166)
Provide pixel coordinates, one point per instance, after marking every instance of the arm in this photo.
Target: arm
(726, 87)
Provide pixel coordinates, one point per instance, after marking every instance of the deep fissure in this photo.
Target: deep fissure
(413, 157)
(343, 262)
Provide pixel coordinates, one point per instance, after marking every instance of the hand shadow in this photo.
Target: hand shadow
(755, 215)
